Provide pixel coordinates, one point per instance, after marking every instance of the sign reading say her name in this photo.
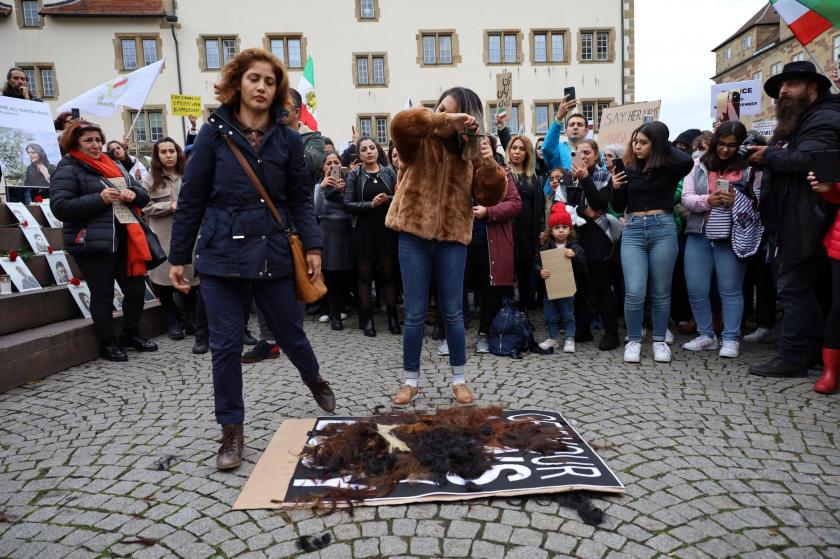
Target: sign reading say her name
(281, 479)
(618, 123)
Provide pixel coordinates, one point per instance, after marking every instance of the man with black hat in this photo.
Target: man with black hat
(796, 217)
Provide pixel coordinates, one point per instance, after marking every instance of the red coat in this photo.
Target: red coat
(832, 238)
(500, 235)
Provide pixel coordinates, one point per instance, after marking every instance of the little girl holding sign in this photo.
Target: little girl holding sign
(558, 241)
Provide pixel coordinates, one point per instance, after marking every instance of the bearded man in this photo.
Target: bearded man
(796, 217)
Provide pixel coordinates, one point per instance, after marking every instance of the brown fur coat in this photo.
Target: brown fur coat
(436, 187)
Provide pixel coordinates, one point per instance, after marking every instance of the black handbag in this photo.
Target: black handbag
(157, 252)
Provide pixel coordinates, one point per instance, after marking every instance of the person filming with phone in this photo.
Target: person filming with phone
(795, 216)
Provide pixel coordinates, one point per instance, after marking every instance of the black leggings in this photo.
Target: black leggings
(832, 325)
(100, 271)
(367, 271)
(604, 279)
(759, 279)
(338, 289)
(524, 269)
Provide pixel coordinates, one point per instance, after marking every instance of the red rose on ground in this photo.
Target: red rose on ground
(12, 255)
(39, 199)
(76, 281)
(49, 249)
(25, 223)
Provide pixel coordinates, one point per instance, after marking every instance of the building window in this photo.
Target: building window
(759, 76)
(776, 69)
(367, 10)
(375, 126)
(515, 121)
(31, 17)
(217, 51)
(288, 48)
(746, 42)
(593, 109)
(437, 48)
(429, 104)
(548, 46)
(799, 57)
(727, 54)
(40, 79)
(595, 46)
(148, 129)
(502, 47)
(135, 51)
(370, 70)
(544, 112)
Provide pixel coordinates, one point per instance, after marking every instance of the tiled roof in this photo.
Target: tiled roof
(765, 16)
(5, 9)
(93, 8)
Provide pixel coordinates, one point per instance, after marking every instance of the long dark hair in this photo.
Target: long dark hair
(711, 160)
(158, 171)
(42, 155)
(660, 153)
(468, 102)
(381, 156)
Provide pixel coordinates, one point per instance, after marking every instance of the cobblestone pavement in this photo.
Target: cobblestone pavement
(717, 463)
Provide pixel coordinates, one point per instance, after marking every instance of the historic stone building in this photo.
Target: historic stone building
(761, 48)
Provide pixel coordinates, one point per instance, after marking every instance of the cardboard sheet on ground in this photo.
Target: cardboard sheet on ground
(561, 284)
(280, 480)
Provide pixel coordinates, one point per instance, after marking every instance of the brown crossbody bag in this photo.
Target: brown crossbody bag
(308, 289)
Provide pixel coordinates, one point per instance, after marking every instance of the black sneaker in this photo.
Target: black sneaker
(779, 368)
(260, 351)
(248, 339)
(201, 346)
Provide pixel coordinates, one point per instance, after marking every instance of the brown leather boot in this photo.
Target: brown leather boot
(233, 442)
(322, 393)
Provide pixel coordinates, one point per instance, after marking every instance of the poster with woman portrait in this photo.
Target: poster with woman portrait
(37, 240)
(21, 277)
(51, 219)
(59, 267)
(81, 294)
(28, 148)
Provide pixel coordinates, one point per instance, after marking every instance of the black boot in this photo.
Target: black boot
(112, 351)
(366, 318)
(393, 321)
(335, 322)
(173, 327)
(609, 341)
(135, 341)
(201, 344)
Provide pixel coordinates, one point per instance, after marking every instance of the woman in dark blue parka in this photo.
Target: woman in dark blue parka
(239, 249)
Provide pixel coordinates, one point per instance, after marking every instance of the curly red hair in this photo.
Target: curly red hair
(229, 87)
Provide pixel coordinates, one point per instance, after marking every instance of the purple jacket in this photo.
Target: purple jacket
(500, 235)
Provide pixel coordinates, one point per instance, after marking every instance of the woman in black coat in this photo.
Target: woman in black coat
(367, 197)
(240, 251)
(86, 188)
(39, 170)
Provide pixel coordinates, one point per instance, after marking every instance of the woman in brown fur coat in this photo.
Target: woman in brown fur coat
(442, 168)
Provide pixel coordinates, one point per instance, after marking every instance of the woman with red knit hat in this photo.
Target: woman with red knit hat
(560, 234)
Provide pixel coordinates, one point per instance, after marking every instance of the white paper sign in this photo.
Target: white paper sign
(750, 96)
(27, 140)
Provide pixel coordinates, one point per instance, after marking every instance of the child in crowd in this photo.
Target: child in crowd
(560, 235)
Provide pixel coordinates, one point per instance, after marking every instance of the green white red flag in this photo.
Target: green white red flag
(807, 18)
(306, 88)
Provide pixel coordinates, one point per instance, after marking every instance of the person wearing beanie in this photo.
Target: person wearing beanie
(685, 139)
(561, 235)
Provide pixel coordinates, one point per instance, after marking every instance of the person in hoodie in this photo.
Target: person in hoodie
(313, 142)
(796, 217)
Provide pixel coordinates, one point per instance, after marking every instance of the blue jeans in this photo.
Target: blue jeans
(556, 309)
(420, 258)
(649, 251)
(702, 258)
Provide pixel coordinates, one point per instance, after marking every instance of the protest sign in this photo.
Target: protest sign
(504, 93)
(561, 283)
(282, 479)
(745, 97)
(28, 144)
(185, 105)
(618, 123)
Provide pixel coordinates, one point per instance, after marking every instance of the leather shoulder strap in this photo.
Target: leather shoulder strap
(256, 181)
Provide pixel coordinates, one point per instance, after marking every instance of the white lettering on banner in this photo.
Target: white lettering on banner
(491, 475)
(577, 469)
(750, 98)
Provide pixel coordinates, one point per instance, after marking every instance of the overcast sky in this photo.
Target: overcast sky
(674, 62)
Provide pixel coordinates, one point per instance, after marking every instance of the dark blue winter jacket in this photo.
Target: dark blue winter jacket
(238, 237)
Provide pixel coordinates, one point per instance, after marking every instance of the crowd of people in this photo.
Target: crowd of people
(703, 235)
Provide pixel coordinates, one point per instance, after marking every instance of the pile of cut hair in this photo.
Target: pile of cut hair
(376, 453)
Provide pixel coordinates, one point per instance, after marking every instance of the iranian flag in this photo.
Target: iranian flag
(306, 88)
(804, 19)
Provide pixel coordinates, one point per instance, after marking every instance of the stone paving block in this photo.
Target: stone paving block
(337, 551)
(456, 547)
(366, 548)
(486, 550)
(525, 552)
(560, 542)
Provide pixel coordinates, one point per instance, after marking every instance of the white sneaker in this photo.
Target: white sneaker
(644, 332)
(661, 352)
(549, 343)
(324, 318)
(482, 345)
(443, 349)
(730, 348)
(760, 335)
(700, 343)
(633, 352)
(669, 337)
(569, 346)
